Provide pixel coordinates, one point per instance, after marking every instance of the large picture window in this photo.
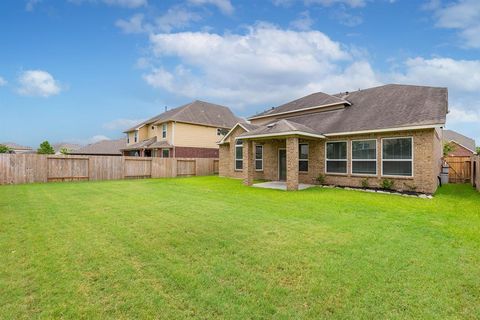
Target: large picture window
(303, 157)
(336, 157)
(259, 157)
(364, 157)
(397, 157)
(238, 154)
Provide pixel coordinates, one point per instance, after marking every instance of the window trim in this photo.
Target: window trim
(258, 145)
(164, 131)
(326, 159)
(406, 160)
(352, 160)
(305, 160)
(235, 155)
(163, 150)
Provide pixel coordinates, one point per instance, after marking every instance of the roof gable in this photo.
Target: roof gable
(464, 141)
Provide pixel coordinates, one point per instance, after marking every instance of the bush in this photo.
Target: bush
(4, 149)
(64, 151)
(45, 148)
(448, 148)
(321, 179)
(387, 184)
(365, 183)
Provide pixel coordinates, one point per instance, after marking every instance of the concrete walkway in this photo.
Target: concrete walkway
(280, 185)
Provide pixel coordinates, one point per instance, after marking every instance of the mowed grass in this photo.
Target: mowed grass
(209, 247)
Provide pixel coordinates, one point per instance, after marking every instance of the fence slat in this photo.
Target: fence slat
(29, 168)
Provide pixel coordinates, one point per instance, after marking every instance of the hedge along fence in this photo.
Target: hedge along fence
(29, 168)
(476, 171)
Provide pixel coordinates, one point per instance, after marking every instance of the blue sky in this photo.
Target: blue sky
(84, 70)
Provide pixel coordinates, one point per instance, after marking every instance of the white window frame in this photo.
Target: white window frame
(407, 160)
(164, 131)
(326, 159)
(135, 136)
(352, 160)
(235, 155)
(305, 160)
(261, 146)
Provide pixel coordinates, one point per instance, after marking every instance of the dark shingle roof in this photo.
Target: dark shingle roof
(198, 112)
(15, 146)
(104, 147)
(450, 135)
(279, 127)
(313, 100)
(385, 107)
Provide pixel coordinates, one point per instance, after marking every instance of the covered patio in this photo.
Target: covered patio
(283, 147)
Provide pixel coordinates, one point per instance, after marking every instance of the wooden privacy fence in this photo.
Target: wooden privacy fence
(29, 168)
(460, 169)
(476, 172)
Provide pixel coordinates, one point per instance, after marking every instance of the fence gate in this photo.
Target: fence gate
(460, 169)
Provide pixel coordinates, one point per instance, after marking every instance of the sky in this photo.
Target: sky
(85, 70)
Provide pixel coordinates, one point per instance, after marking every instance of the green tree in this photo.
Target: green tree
(447, 149)
(4, 149)
(64, 151)
(45, 148)
(478, 150)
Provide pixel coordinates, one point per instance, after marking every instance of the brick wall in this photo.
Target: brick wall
(427, 161)
(191, 152)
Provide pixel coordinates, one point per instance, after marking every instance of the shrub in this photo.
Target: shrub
(321, 179)
(387, 184)
(448, 148)
(45, 148)
(64, 151)
(4, 149)
(365, 183)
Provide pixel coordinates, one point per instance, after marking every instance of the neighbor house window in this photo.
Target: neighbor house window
(128, 138)
(259, 157)
(303, 157)
(364, 157)
(397, 157)
(164, 131)
(336, 157)
(238, 154)
(153, 127)
(166, 153)
(135, 137)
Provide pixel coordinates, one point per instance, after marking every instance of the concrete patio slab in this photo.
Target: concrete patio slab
(280, 185)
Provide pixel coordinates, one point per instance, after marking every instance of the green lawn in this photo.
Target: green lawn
(211, 248)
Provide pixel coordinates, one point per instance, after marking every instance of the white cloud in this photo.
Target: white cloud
(121, 124)
(461, 115)
(30, 5)
(175, 18)
(2, 82)
(264, 65)
(223, 5)
(132, 25)
(119, 3)
(463, 15)
(38, 83)
(303, 22)
(97, 138)
(326, 3)
(459, 75)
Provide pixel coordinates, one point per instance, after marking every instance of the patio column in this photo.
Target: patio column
(292, 163)
(248, 162)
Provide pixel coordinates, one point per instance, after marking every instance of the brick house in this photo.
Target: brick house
(462, 146)
(389, 132)
(188, 131)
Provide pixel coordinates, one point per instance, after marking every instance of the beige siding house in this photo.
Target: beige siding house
(352, 139)
(189, 131)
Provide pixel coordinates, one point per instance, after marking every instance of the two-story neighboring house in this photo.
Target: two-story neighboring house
(385, 136)
(188, 131)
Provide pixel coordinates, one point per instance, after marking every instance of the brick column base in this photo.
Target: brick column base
(248, 162)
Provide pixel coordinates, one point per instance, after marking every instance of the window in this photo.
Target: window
(165, 153)
(128, 138)
(303, 157)
(238, 154)
(364, 157)
(164, 131)
(153, 127)
(336, 157)
(397, 157)
(259, 157)
(221, 131)
(135, 138)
